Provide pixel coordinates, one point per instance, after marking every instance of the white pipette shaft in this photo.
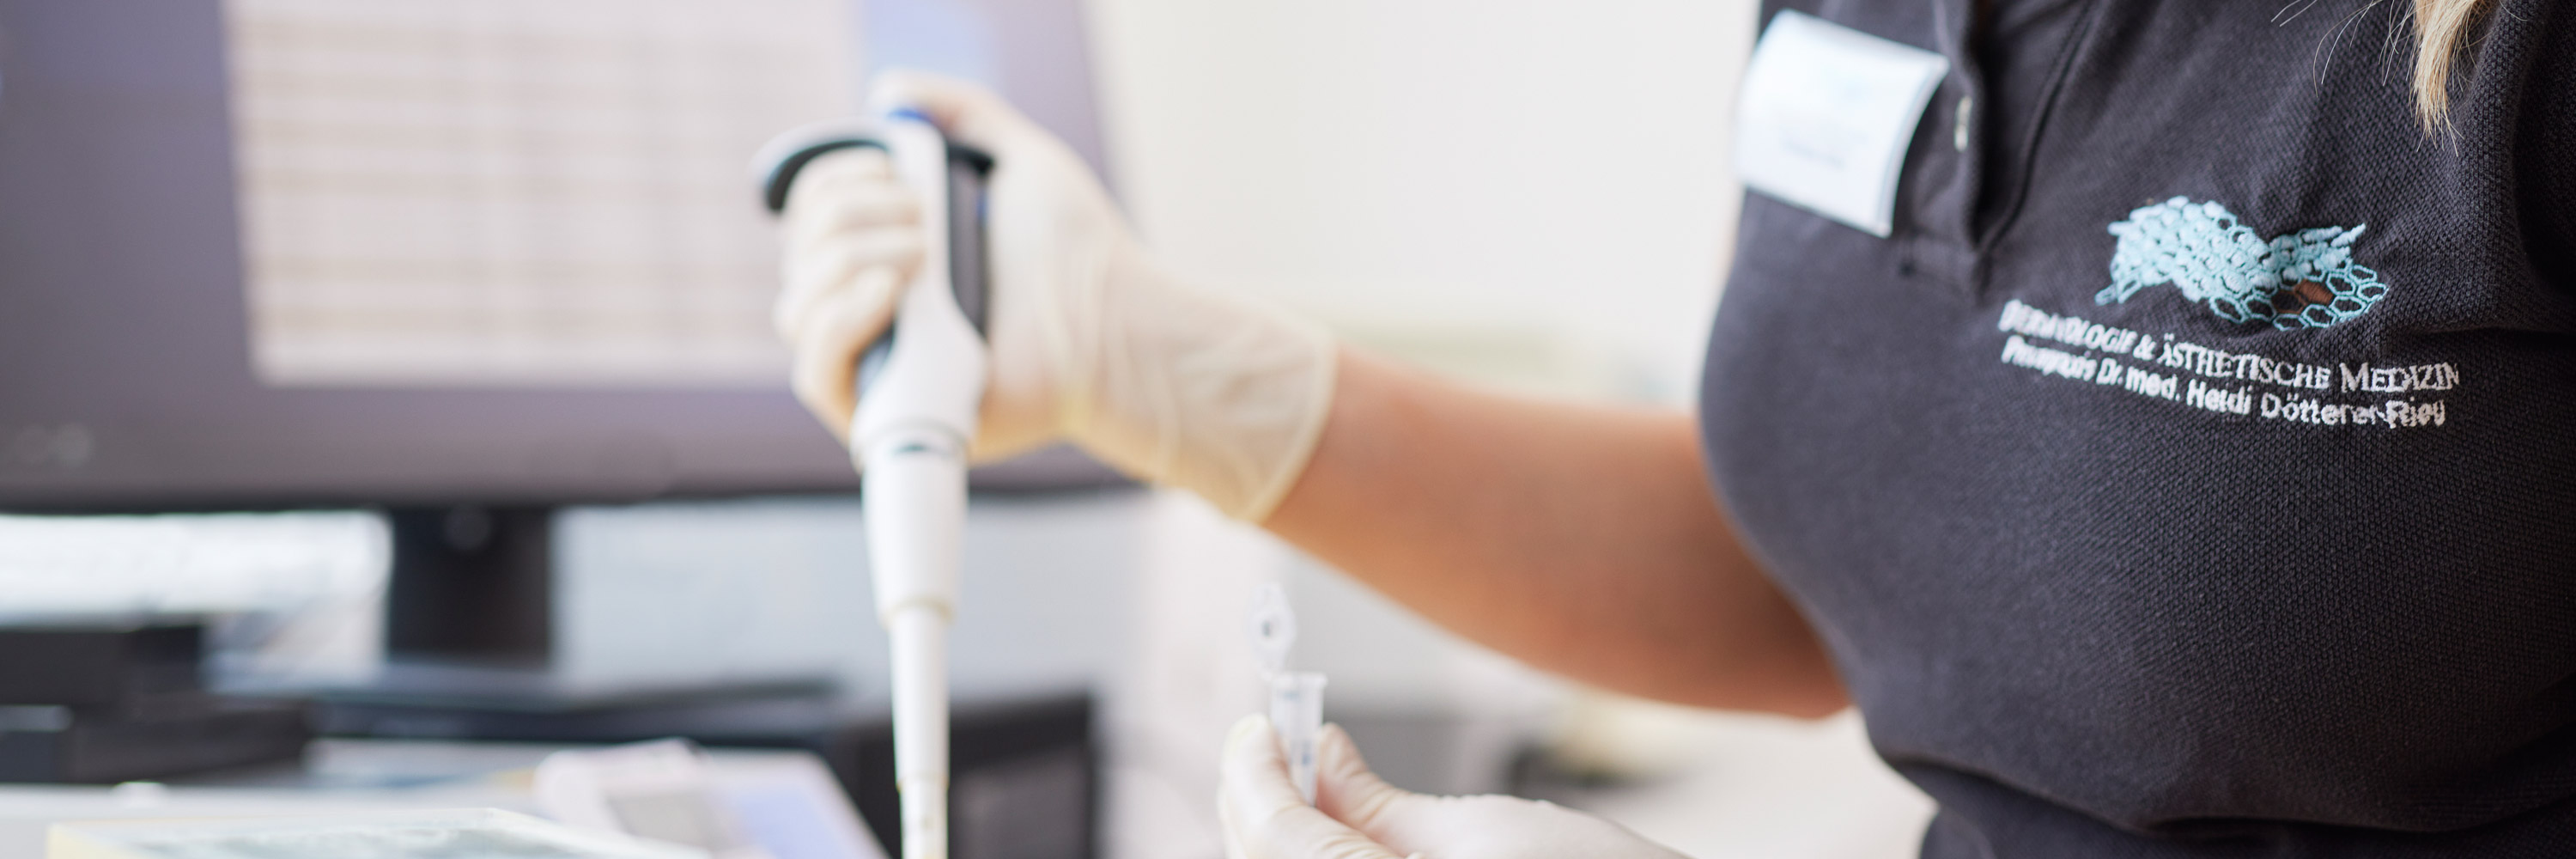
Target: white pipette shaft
(915, 509)
(915, 417)
(920, 639)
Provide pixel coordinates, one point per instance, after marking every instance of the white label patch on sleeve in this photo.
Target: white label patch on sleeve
(1825, 117)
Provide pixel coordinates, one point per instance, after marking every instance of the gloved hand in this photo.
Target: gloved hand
(1091, 341)
(1358, 816)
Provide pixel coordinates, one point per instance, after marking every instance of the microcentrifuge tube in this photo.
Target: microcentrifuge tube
(1296, 697)
(1297, 711)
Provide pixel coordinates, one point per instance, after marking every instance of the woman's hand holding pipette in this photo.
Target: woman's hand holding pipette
(1356, 815)
(1092, 341)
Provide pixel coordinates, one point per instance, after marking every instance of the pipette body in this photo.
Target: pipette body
(919, 388)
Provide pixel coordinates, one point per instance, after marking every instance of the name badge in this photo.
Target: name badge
(1825, 115)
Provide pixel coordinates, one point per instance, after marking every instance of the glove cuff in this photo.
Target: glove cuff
(1208, 391)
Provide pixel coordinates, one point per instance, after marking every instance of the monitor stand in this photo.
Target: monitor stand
(471, 585)
(469, 639)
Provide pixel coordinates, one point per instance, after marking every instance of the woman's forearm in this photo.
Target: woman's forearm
(1583, 540)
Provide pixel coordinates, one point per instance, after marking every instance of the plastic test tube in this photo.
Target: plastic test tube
(1297, 712)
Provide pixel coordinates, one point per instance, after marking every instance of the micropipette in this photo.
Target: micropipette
(920, 386)
(1296, 697)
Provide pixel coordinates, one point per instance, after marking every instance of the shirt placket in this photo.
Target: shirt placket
(1944, 166)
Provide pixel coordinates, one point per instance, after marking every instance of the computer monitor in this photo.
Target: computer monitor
(463, 259)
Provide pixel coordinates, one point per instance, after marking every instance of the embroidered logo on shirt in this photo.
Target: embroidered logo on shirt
(2175, 370)
(2303, 279)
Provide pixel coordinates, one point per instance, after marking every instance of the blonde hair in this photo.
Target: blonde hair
(2441, 40)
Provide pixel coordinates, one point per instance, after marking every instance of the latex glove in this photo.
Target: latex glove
(1091, 340)
(1358, 816)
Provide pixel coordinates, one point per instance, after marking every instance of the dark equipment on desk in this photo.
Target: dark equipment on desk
(105, 701)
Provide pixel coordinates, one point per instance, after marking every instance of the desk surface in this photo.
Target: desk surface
(337, 776)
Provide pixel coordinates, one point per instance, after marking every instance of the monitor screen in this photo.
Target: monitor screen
(290, 252)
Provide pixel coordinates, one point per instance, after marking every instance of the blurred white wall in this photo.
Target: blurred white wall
(1536, 187)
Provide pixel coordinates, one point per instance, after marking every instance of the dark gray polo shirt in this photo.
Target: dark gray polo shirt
(2193, 472)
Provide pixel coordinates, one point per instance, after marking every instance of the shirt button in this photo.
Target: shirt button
(1959, 126)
